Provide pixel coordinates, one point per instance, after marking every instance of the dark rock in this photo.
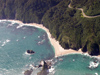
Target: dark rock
(40, 66)
(28, 72)
(94, 49)
(30, 52)
(84, 49)
(46, 65)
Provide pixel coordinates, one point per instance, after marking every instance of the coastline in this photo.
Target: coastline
(59, 51)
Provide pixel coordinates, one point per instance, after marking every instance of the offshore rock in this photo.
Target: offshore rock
(30, 52)
(46, 65)
(28, 72)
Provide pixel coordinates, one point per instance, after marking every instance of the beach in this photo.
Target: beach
(17, 37)
(59, 51)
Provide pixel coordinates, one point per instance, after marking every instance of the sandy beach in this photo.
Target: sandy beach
(59, 51)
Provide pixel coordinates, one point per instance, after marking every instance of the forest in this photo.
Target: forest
(67, 25)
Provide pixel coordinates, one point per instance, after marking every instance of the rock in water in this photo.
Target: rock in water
(28, 72)
(46, 65)
(30, 52)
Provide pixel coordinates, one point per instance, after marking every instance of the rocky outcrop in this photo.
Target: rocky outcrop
(30, 52)
(94, 49)
(46, 65)
(28, 72)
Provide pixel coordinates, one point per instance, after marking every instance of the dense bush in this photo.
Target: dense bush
(91, 7)
(67, 25)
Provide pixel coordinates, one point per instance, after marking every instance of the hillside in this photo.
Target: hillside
(91, 7)
(67, 25)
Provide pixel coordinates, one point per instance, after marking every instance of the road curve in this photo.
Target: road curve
(84, 15)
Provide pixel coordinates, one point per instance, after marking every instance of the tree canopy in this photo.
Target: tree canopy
(67, 25)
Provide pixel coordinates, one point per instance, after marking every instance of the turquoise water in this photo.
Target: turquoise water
(14, 61)
(75, 64)
(15, 41)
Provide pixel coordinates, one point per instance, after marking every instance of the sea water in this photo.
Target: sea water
(14, 42)
(76, 64)
(16, 39)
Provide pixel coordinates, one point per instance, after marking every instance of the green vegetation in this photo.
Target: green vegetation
(91, 7)
(25, 10)
(67, 25)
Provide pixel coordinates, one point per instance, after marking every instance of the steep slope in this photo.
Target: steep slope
(91, 7)
(25, 10)
(67, 25)
(72, 29)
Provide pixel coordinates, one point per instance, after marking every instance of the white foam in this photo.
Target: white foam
(23, 72)
(41, 42)
(21, 25)
(24, 37)
(38, 36)
(17, 40)
(93, 64)
(4, 43)
(51, 69)
(7, 40)
(27, 53)
(10, 25)
(96, 73)
(73, 59)
(13, 23)
(32, 66)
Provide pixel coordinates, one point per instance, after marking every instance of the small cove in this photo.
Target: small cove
(15, 41)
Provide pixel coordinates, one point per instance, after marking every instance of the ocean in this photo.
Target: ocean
(15, 41)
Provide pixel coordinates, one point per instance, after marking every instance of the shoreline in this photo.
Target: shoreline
(59, 51)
